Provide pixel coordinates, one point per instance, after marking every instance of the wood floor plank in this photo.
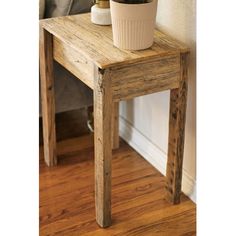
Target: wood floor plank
(138, 195)
(174, 220)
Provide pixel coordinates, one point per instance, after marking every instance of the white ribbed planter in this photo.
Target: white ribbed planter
(133, 24)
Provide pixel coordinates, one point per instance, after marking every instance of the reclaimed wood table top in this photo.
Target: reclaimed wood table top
(95, 42)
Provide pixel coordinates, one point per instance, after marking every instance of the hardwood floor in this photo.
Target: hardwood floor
(138, 204)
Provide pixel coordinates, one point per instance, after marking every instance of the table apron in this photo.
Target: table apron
(145, 78)
(129, 81)
(74, 62)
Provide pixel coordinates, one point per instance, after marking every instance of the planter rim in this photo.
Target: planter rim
(133, 11)
(132, 4)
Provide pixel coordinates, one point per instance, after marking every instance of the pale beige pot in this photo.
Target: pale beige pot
(133, 24)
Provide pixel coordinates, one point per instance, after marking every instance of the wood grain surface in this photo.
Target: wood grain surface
(103, 147)
(130, 81)
(177, 115)
(95, 43)
(138, 196)
(115, 125)
(47, 97)
(76, 63)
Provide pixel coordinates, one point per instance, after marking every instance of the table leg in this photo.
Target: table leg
(103, 147)
(178, 102)
(47, 97)
(115, 125)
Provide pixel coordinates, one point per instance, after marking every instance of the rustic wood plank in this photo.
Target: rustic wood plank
(95, 42)
(166, 41)
(115, 125)
(145, 78)
(178, 103)
(47, 97)
(73, 61)
(103, 146)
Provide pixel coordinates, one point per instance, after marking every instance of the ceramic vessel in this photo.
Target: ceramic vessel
(100, 16)
(133, 24)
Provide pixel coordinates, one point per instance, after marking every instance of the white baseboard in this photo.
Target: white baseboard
(154, 155)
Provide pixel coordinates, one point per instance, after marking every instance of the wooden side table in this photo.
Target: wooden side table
(87, 51)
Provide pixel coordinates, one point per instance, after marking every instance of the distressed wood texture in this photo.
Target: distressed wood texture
(74, 62)
(95, 42)
(115, 125)
(178, 103)
(146, 77)
(103, 147)
(87, 51)
(47, 97)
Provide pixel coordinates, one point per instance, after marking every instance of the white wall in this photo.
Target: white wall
(144, 120)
